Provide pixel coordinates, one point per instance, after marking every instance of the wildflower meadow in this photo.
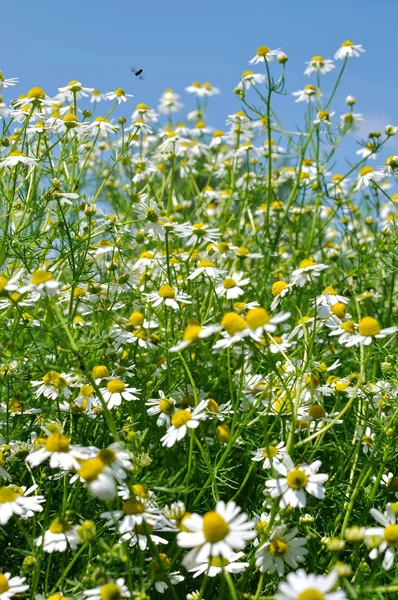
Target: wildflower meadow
(198, 359)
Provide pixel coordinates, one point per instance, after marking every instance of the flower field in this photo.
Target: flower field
(198, 364)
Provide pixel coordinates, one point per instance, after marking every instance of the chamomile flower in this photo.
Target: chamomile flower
(17, 158)
(318, 64)
(164, 406)
(181, 421)
(101, 125)
(323, 116)
(260, 321)
(269, 455)
(231, 287)
(5, 83)
(217, 564)
(109, 591)
(59, 537)
(119, 95)
(300, 586)
(295, 482)
(249, 79)
(74, 89)
(207, 268)
(264, 54)
(20, 502)
(368, 331)
(193, 333)
(348, 49)
(279, 290)
(387, 534)
(308, 94)
(282, 548)
(116, 391)
(168, 296)
(307, 270)
(217, 533)
(11, 586)
(58, 449)
(366, 176)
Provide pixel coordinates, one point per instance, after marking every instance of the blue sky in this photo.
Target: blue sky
(49, 43)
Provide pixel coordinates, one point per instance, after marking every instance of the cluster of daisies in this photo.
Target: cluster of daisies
(199, 383)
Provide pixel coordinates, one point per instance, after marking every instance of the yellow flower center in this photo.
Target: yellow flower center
(348, 326)
(297, 479)
(7, 494)
(278, 547)
(331, 291)
(323, 115)
(391, 535)
(278, 287)
(110, 591)
(307, 262)
(57, 442)
(247, 74)
(120, 92)
(136, 319)
(205, 263)
(133, 507)
(317, 59)
(141, 107)
(4, 587)
(70, 119)
(166, 291)
(140, 490)
(215, 528)
(101, 120)
(212, 406)
(257, 317)
(39, 277)
(310, 88)
(347, 43)
(107, 456)
(262, 51)
(100, 372)
(86, 391)
(311, 594)
(269, 452)
(166, 406)
(115, 386)
(339, 309)
(316, 411)
(191, 333)
(60, 525)
(233, 323)
(229, 283)
(368, 326)
(181, 418)
(91, 468)
(37, 93)
(365, 171)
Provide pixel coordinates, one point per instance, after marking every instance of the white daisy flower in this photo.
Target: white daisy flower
(249, 79)
(260, 321)
(168, 296)
(295, 482)
(216, 565)
(282, 548)
(74, 89)
(300, 586)
(231, 287)
(11, 586)
(17, 158)
(206, 267)
(102, 125)
(61, 454)
(264, 54)
(388, 536)
(217, 533)
(5, 83)
(308, 94)
(368, 331)
(193, 333)
(317, 64)
(366, 176)
(60, 536)
(307, 270)
(164, 406)
(16, 501)
(109, 591)
(181, 421)
(269, 454)
(119, 95)
(116, 391)
(348, 49)
(323, 116)
(279, 290)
